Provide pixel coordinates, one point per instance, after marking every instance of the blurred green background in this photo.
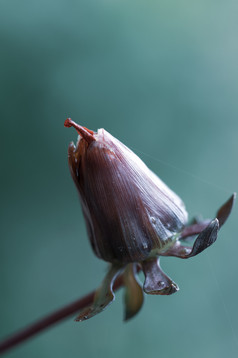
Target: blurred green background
(162, 77)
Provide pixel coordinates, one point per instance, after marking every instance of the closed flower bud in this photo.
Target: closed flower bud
(132, 217)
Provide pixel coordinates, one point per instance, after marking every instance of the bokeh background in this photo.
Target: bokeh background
(162, 77)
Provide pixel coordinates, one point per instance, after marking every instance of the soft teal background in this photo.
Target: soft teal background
(162, 77)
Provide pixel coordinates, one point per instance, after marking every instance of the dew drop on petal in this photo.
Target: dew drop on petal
(161, 284)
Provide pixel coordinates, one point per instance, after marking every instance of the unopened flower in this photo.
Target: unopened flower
(132, 218)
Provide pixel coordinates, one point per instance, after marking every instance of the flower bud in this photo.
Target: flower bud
(131, 217)
(129, 211)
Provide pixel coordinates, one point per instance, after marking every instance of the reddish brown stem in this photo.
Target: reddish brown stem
(53, 318)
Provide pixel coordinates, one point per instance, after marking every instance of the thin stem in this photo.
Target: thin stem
(51, 319)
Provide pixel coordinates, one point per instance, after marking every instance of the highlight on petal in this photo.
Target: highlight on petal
(156, 281)
(134, 296)
(104, 295)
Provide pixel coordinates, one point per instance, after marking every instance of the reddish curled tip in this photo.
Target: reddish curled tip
(84, 132)
(67, 122)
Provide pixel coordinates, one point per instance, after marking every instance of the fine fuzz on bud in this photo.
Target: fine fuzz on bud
(131, 217)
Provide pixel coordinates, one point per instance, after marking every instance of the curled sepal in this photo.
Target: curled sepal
(197, 226)
(205, 239)
(134, 295)
(156, 281)
(225, 210)
(103, 296)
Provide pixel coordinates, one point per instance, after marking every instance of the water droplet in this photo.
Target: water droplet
(185, 251)
(161, 284)
(153, 220)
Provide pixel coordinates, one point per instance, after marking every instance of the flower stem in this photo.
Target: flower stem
(51, 319)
